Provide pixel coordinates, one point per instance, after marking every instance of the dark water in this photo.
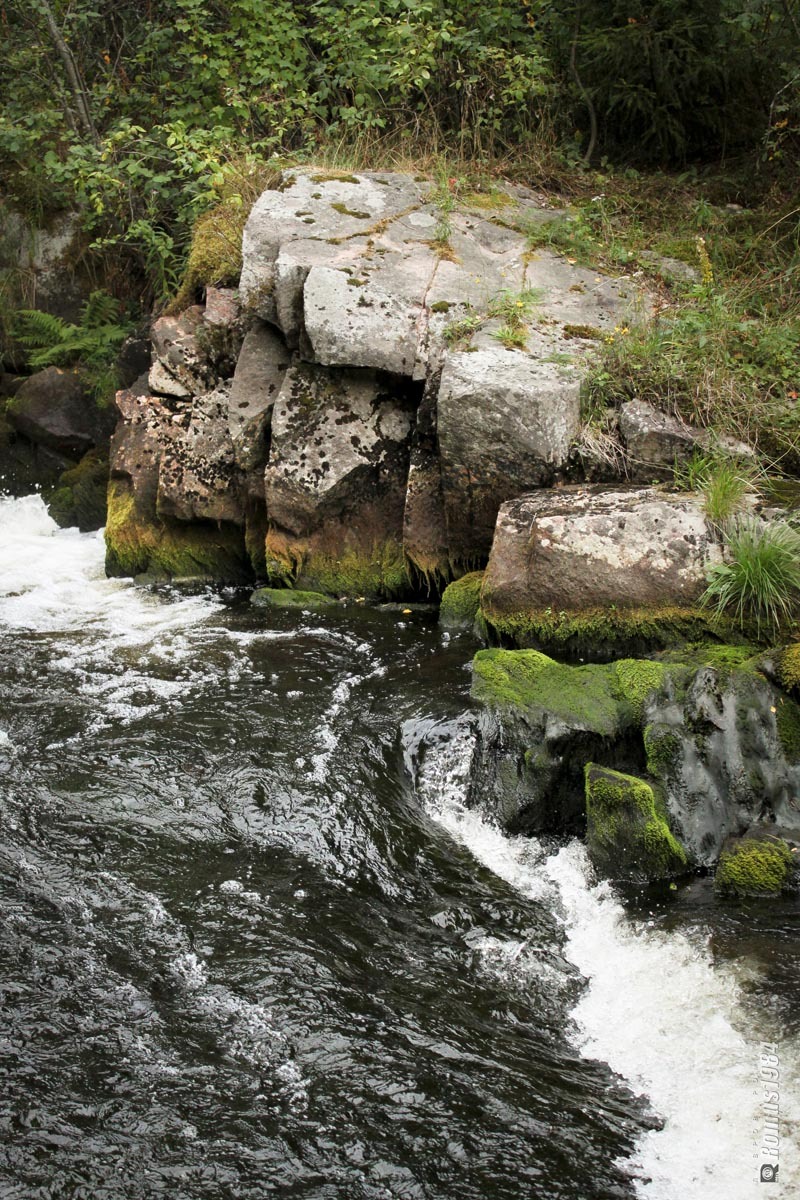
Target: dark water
(244, 955)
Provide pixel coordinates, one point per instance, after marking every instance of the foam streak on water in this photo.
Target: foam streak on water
(676, 1026)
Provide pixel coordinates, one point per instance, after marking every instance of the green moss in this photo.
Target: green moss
(585, 332)
(662, 747)
(80, 498)
(604, 633)
(789, 667)
(636, 679)
(378, 574)
(525, 679)
(754, 868)
(332, 177)
(136, 545)
(350, 212)
(215, 256)
(289, 598)
(491, 201)
(460, 602)
(441, 306)
(787, 718)
(627, 834)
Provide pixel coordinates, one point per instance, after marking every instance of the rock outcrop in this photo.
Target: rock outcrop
(399, 379)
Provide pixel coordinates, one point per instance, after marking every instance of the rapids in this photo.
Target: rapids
(253, 942)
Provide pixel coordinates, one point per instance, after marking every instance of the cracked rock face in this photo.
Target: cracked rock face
(573, 548)
(339, 439)
(360, 296)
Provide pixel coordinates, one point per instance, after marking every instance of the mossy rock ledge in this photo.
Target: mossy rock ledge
(710, 737)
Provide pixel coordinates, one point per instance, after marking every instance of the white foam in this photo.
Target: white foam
(675, 1025)
(53, 580)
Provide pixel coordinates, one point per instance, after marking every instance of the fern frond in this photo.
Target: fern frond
(100, 309)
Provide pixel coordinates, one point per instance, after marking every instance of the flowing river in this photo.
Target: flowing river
(254, 944)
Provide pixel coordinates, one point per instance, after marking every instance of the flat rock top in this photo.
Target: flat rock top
(371, 270)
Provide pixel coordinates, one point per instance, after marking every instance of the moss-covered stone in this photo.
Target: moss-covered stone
(627, 835)
(460, 602)
(636, 679)
(601, 634)
(755, 867)
(290, 598)
(138, 545)
(215, 255)
(377, 573)
(662, 747)
(585, 696)
(80, 498)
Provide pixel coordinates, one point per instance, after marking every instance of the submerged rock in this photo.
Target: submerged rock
(290, 598)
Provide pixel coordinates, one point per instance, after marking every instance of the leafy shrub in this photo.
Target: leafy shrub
(760, 581)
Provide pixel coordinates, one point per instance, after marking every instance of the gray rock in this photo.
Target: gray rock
(146, 428)
(505, 423)
(328, 207)
(713, 740)
(333, 433)
(374, 322)
(260, 371)
(335, 482)
(179, 366)
(222, 307)
(54, 409)
(574, 548)
(198, 478)
(656, 442)
(673, 270)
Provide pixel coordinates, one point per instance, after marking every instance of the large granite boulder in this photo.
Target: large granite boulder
(505, 423)
(335, 481)
(573, 548)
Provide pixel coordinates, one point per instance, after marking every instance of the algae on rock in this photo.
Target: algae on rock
(461, 602)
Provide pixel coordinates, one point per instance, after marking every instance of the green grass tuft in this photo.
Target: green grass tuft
(760, 582)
